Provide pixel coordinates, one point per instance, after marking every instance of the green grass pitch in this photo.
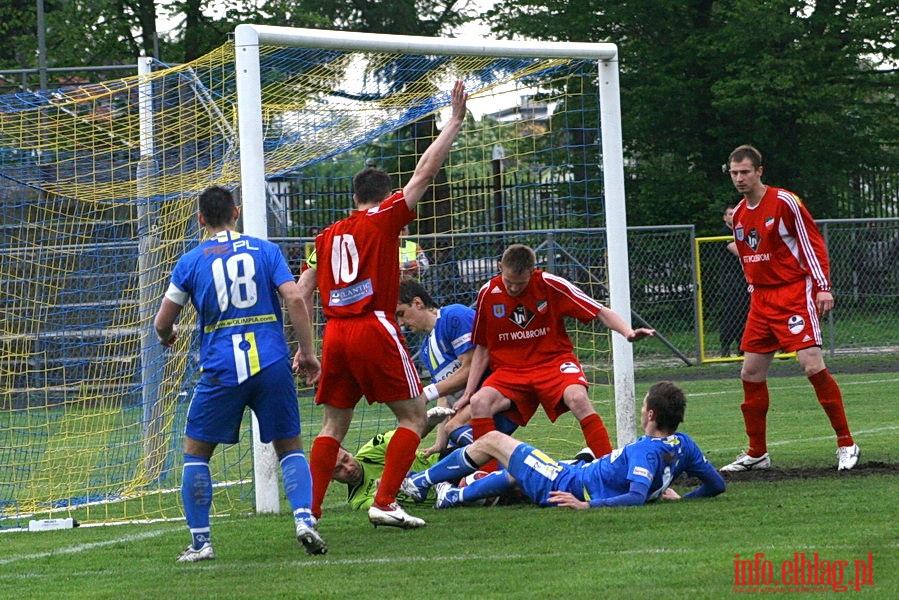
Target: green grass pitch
(668, 549)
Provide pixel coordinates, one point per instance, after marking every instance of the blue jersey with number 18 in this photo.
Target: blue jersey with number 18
(232, 281)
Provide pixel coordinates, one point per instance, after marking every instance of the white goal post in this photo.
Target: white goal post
(249, 38)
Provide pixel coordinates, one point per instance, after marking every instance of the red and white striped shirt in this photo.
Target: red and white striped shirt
(529, 329)
(778, 241)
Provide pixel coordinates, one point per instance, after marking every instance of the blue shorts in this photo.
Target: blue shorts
(538, 475)
(216, 411)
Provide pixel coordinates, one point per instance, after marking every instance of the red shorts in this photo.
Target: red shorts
(537, 386)
(782, 317)
(365, 356)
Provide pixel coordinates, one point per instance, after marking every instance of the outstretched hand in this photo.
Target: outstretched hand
(640, 333)
(459, 100)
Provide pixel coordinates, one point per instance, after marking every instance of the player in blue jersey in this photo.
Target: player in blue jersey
(630, 476)
(446, 353)
(233, 282)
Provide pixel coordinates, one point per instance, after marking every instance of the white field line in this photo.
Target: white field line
(86, 547)
(842, 384)
(803, 440)
(315, 562)
(121, 498)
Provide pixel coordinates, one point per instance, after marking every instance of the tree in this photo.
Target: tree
(806, 82)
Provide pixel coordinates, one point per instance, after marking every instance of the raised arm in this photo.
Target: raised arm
(432, 159)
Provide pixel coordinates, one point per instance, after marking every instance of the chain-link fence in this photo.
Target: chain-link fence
(864, 254)
(690, 290)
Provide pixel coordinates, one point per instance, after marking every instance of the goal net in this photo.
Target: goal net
(97, 201)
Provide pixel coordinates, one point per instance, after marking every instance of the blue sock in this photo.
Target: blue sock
(495, 484)
(462, 436)
(297, 484)
(453, 467)
(196, 493)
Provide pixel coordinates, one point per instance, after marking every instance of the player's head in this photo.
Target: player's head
(728, 215)
(745, 168)
(664, 405)
(414, 309)
(371, 186)
(347, 470)
(516, 266)
(746, 152)
(217, 208)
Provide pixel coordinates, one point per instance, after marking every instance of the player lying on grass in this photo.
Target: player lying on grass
(631, 476)
(362, 472)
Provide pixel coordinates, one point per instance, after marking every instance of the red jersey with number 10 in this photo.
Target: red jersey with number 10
(529, 329)
(778, 241)
(357, 270)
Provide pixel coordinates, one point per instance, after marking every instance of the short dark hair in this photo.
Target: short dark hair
(743, 152)
(411, 289)
(371, 185)
(519, 258)
(216, 204)
(668, 402)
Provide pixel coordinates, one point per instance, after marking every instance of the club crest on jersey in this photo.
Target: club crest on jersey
(521, 316)
(753, 240)
(769, 223)
(499, 311)
(569, 367)
(671, 440)
(542, 305)
(795, 324)
(739, 233)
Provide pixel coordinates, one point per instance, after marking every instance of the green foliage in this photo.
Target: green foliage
(404, 17)
(104, 32)
(811, 84)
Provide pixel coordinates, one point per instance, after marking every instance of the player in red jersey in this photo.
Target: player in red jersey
(363, 352)
(520, 334)
(785, 262)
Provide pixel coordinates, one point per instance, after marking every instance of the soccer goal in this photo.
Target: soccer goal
(362, 83)
(97, 200)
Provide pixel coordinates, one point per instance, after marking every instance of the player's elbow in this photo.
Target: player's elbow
(717, 487)
(709, 489)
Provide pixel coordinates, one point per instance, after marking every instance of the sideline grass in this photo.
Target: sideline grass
(680, 550)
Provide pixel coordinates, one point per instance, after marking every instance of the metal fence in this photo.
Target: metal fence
(690, 291)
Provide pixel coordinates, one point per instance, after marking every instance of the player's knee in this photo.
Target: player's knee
(579, 404)
(487, 402)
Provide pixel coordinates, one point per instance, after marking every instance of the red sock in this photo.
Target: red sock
(831, 400)
(596, 435)
(479, 427)
(755, 413)
(322, 460)
(399, 457)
